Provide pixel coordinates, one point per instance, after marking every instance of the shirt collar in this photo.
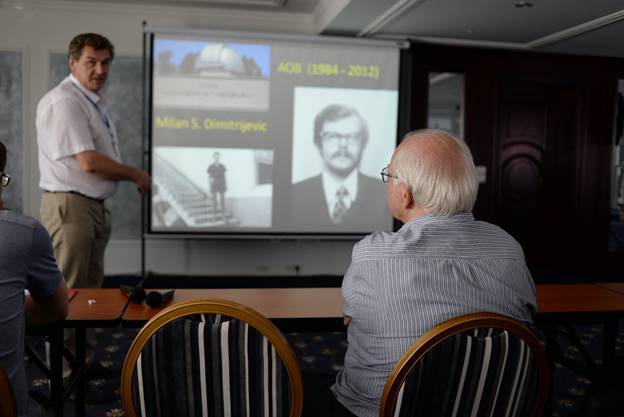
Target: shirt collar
(90, 94)
(420, 222)
(331, 185)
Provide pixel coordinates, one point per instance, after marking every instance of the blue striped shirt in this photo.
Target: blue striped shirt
(400, 285)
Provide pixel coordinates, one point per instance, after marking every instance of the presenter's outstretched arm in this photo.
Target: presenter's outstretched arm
(111, 170)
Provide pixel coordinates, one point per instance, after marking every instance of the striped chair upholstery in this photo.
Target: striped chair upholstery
(215, 364)
(476, 365)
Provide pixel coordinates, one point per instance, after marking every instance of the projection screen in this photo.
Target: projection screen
(256, 135)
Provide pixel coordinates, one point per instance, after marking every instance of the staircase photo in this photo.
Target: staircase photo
(186, 201)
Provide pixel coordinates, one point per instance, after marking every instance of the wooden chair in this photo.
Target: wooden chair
(482, 364)
(212, 356)
(8, 406)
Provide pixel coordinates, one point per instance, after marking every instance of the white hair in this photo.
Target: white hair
(441, 176)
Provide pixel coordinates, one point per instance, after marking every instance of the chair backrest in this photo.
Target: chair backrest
(211, 357)
(8, 406)
(481, 364)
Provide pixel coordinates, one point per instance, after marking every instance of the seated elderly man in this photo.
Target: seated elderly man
(441, 264)
(26, 263)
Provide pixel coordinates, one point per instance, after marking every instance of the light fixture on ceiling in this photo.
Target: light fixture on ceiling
(524, 5)
(259, 3)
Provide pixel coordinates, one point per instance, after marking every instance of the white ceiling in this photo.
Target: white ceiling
(592, 27)
(587, 27)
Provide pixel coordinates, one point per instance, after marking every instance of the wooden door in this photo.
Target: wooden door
(536, 158)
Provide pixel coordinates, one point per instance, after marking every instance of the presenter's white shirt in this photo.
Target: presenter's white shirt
(331, 187)
(71, 119)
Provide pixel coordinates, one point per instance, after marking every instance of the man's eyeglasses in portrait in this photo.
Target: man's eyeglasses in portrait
(334, 138)
(5, 179)
(385, 175)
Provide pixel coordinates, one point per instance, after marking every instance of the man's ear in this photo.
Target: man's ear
(407, 199)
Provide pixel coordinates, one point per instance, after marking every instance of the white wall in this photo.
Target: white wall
(40, 27)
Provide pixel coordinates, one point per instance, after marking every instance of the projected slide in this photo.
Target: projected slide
(335, 168)
(270, 136)
(208, 187)
(211, 75)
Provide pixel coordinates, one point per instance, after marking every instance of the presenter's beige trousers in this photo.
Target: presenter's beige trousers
(80, 228)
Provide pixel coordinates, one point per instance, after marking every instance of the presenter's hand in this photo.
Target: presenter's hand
(346, 320)
(142, 181)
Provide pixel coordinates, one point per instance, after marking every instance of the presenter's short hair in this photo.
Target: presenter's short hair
(443, 177)
(3, 156)
(335, 112)
(95, 41)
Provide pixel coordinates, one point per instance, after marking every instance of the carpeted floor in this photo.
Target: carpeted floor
(322, 352)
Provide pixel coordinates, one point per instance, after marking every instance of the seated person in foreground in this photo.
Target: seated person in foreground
(441, 264)
(26, 263)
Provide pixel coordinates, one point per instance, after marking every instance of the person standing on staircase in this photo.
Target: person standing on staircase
(217, 185)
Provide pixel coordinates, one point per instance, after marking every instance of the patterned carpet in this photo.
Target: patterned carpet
(323, 352)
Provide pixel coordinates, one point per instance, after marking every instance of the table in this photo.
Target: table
(564, 299)
(577, 303)
(564, 305)
(613, 286)
(289, 308)
(286, 303)
(307, 309)
(320, 309)
(88, 308)
(105, 311)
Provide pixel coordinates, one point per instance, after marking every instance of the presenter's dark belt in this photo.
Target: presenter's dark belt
(97, 200)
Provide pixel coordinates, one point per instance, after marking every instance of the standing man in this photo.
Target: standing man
(80, 163)
(440, 265)
(341, 194)
(26, 263)
(216, 181)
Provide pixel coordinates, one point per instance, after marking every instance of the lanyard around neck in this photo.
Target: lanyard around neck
(98, 110)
